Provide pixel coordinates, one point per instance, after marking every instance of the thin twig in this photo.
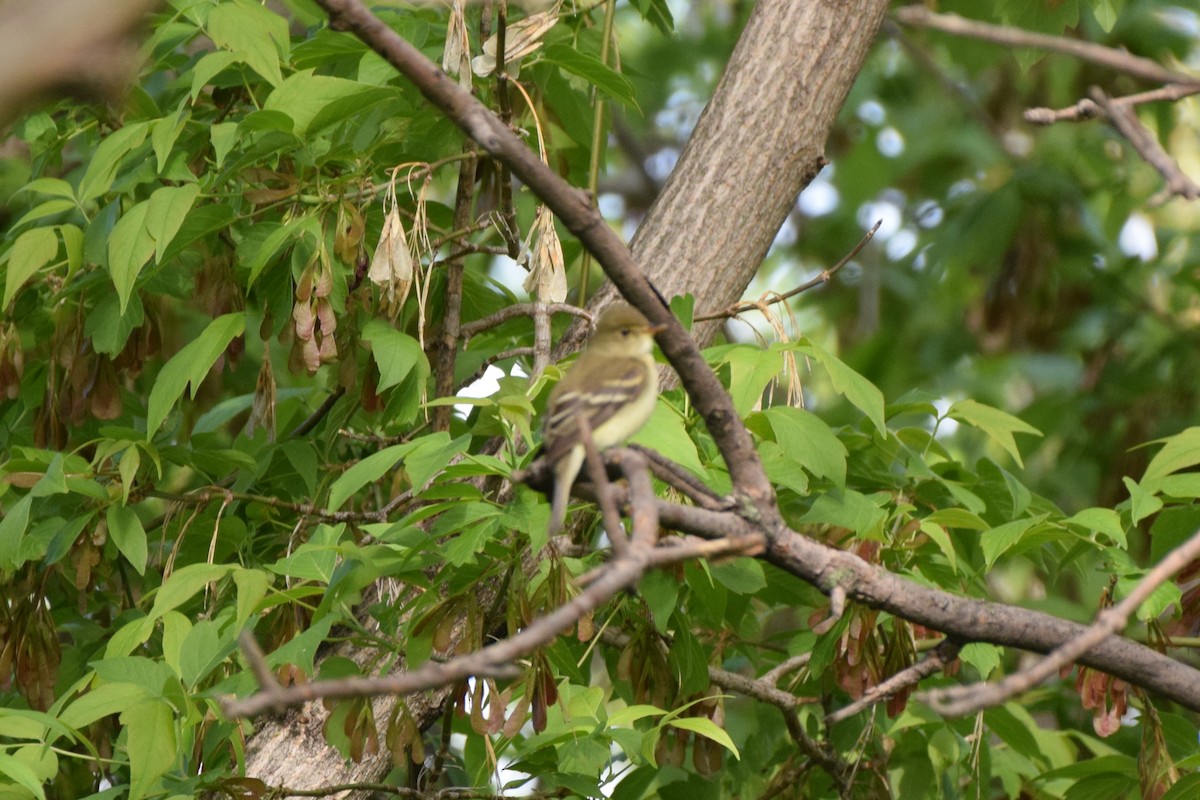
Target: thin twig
(681, 480)
(1128, 125)
(519, 310)
(1087, 109)
(921, 17)
(603, 490)
(961, 700)
(943, 654)
(772, 298)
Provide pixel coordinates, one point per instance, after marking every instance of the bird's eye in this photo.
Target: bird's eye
(625, 331)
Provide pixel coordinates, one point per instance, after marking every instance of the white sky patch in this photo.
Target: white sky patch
(486, 386)
(890, 142)
(901, 244)
(1137, 238)
(509, 273)
(929, 214)
(612, 205)
(870, 213)
(820, 198)
(871, 112)
(948, 427)
(660, 164)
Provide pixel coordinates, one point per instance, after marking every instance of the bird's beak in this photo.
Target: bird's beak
(656, 329)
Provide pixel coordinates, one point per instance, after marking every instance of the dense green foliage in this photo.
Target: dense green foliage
(209, 394)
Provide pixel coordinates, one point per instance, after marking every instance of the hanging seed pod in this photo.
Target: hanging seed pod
(392, 265)
(262, 412)
(547, 279)
(521, 39)
(456, 57)
(350, 231)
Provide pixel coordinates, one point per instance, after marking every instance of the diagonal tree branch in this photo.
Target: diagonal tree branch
(577, 213)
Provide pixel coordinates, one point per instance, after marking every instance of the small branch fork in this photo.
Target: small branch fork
(1117, 111)
(772, 298)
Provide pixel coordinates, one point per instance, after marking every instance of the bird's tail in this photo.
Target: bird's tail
(565, 472)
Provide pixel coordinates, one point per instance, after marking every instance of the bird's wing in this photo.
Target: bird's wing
(620, 381)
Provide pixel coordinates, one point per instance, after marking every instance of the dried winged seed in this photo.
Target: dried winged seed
(392, 262)
(326, 316)
(311, 355)
(328, 349)
(106, 393)
(516, 720)
(520, 39)
(349, 233)
(303, 319)
(548, 274)
(324, 283)
(455, 40)
(477, 721)
(305, 286)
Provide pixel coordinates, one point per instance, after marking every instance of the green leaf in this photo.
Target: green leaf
(252, 585)
(631, 714)
(997, 424)
(1101, 520)
(942, 539)
(661, 593)
(985, 658)
(12, 532)
(130, 246)
(1143, 502)
(998, 540)
(849, 509)
(740, 575)
(256, 35)
(708, 729)
(164, 135)
(189, 366)
(593, 70)
(184, 583)
(21, 774)
(317, 101)
(207, 68)
(958, 518)
(33, 250)
(104, 163)
(150, 727)
(128, 535)
(1179, 452)
(167, 208)
(104, 700)
(395, 353)
(808, 441)
(1163, 597)
(109, 327)
(369, 470)
(667, 433)
(750, 370)
(864, 395)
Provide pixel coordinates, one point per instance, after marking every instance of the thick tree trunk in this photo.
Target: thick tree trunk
(757, 144)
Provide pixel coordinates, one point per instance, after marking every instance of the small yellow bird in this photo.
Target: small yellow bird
(613, 385)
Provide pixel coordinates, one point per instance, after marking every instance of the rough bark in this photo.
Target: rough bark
(759, 142)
